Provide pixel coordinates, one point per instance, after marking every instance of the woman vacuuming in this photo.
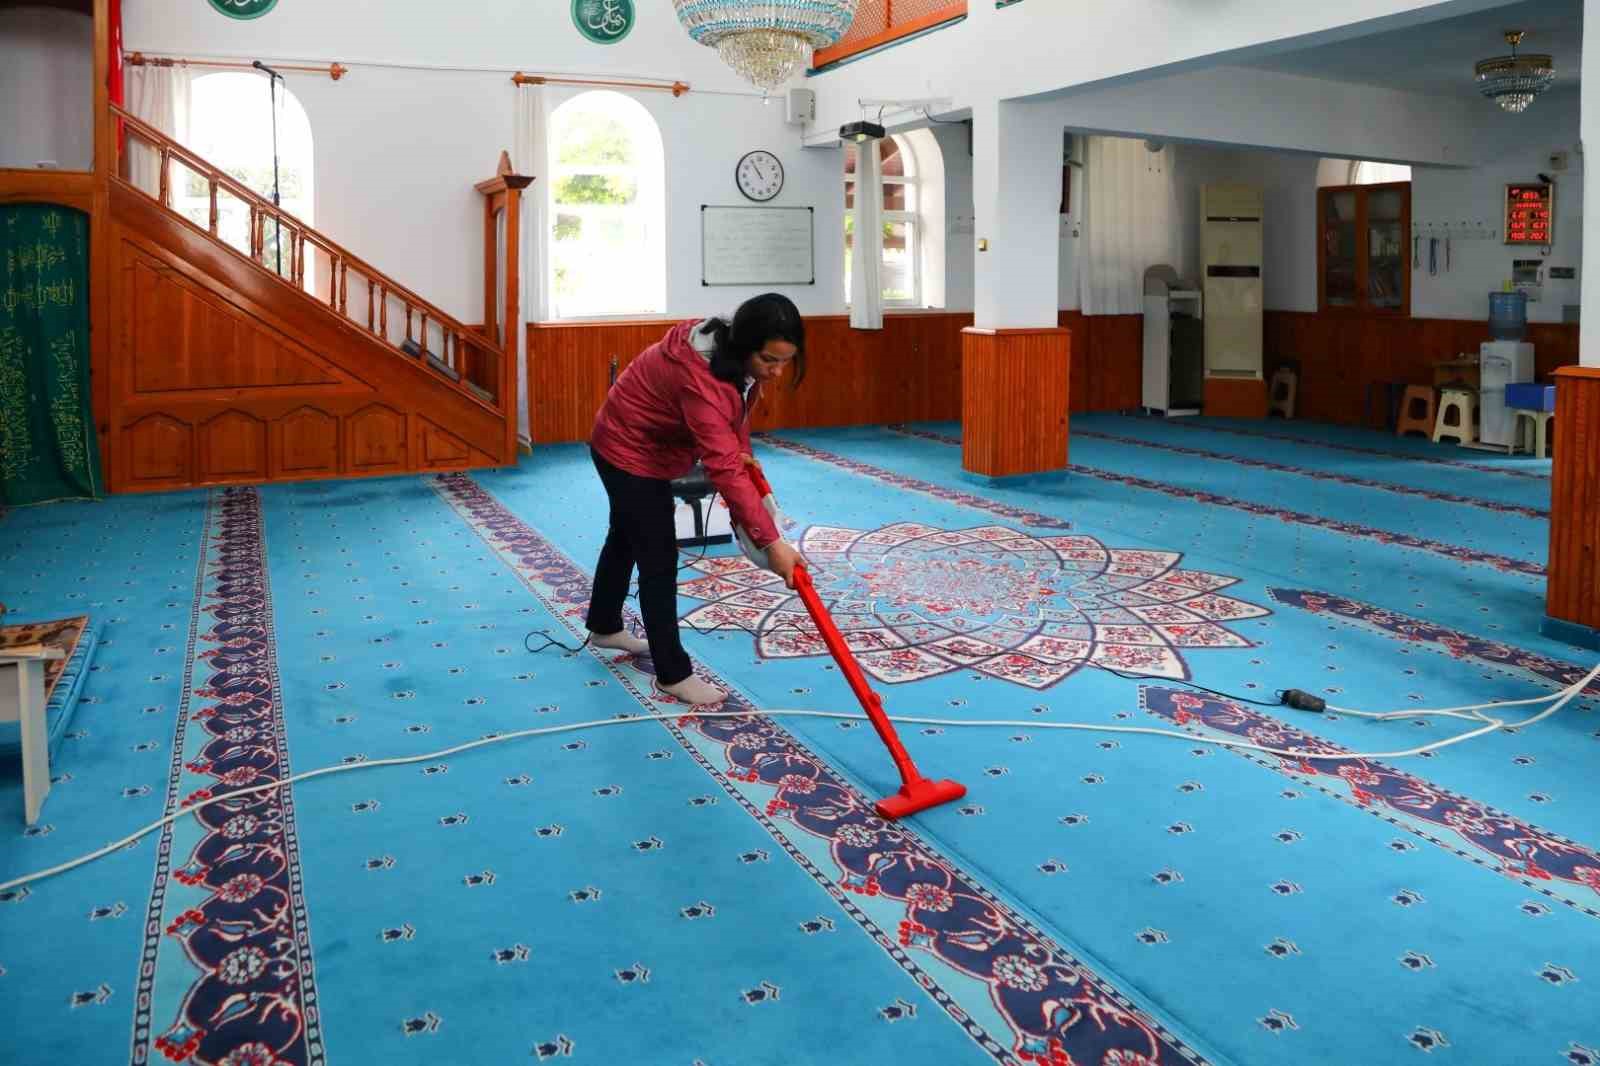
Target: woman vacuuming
(687, 396)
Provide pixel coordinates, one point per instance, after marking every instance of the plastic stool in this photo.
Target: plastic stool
(1416, 411)
(1285, 385)
(1534, 428)
(1463, 404)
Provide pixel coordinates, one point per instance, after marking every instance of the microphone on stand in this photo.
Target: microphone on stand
(277, 199)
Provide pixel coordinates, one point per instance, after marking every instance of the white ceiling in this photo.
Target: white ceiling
(1437, 58)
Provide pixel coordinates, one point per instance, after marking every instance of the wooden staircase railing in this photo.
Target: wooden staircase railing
(458, 354)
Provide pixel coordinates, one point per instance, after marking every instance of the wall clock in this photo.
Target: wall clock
(760, 176)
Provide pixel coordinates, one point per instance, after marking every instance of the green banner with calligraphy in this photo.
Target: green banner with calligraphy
(47, 442)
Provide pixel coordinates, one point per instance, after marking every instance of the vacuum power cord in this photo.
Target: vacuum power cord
(1557, 701)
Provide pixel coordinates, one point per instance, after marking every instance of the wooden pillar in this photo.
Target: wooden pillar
(1014, 401)
(1572, 597)
(502, 309)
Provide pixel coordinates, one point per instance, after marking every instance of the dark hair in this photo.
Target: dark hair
(771, 317)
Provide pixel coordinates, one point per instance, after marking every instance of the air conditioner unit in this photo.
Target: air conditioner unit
(1231, 259)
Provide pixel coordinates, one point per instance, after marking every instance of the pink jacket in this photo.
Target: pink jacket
(666, 410)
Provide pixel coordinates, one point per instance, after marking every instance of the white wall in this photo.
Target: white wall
(1589, 280)
(533, 35)
(1521, 149)
(46, 76)
(1243, 107)
(1049, 45)
(399, 149)
(1518, 148)
(960, 241)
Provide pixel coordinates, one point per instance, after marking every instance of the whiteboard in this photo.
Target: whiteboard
(757, 246)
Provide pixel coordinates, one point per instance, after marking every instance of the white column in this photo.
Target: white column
(1016, 179)
(1589, 124)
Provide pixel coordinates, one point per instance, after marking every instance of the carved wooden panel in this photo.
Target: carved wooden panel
(219, 373)
(233, 447)
(159, 450)
(442, 449)
(305, 443)
(183, 338)
(375, 439)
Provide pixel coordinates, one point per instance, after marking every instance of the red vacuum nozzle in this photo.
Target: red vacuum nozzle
(917, 793)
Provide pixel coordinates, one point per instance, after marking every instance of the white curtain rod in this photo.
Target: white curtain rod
(443, 68)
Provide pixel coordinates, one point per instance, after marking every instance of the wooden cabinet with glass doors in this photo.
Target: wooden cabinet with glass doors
(1364, 254)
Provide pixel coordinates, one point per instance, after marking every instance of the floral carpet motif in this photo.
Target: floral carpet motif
(915, 601)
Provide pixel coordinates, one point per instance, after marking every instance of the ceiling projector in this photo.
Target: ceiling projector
(862, 131)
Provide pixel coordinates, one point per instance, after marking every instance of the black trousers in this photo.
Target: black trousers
(642, 534)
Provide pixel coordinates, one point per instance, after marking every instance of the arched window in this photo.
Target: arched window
(1360, 172)
(902, 223)
(230, 125)
(607, 189)
(1363, 172)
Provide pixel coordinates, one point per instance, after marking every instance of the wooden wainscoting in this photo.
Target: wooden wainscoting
(910, 371)
(1341, 355)
(1107, 360)
(1573, 590)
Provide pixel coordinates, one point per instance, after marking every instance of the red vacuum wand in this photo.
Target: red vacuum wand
(917, 793)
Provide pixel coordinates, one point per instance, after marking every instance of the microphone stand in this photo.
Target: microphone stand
(273, 77)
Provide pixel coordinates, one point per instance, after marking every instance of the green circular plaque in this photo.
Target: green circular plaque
(601, 21)
(244, 9)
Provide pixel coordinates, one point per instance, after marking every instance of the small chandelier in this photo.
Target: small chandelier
(1513, 81)
(766, 41)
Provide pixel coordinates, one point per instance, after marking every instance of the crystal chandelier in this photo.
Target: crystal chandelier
(766, 41)
(1513, 81)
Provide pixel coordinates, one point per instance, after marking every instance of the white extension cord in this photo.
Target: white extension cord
(1471, 712)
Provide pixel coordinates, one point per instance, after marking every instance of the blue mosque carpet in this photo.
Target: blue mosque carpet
(718, 890)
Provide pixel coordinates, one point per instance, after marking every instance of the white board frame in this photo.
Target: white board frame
(811, 270)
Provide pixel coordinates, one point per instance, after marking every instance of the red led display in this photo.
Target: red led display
(1530, 214)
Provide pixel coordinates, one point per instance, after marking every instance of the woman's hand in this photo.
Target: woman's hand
(782, 559)
(752, 462)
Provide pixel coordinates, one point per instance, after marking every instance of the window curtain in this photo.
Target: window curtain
(1132, 221)
(866, 263)
(530, 154)
(47, 440)
(159, 96)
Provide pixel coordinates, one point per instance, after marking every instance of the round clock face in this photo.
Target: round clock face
(760, 176)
